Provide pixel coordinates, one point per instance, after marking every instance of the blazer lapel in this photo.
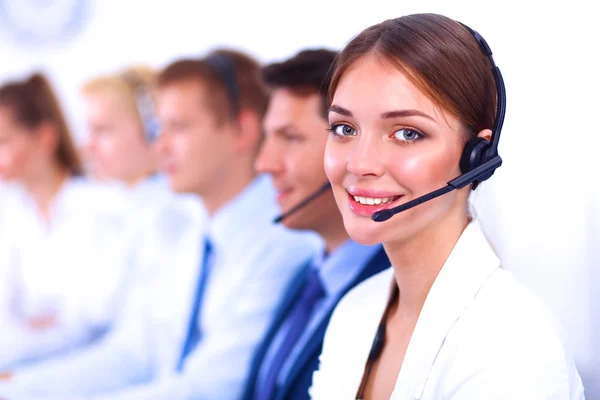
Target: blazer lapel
(292, 293)
(376, 264)
(470, 264)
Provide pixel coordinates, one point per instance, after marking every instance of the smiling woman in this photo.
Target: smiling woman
(409, 97)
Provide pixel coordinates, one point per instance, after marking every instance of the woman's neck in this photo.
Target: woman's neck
(418, 261)
(43, 187)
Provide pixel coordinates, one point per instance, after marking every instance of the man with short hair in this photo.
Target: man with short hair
(292, 153)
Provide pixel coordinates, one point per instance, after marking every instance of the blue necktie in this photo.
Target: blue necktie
(298, 318)
(193, 333)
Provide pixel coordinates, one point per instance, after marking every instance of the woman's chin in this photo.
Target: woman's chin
(366, 237)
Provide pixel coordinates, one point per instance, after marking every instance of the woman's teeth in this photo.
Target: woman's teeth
(374, 201)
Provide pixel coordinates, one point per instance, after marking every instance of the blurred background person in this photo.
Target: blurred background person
(189, 331)
(60, 251)
(122, 128)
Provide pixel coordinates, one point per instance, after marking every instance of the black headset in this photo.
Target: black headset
(479, 159)
(479, 151)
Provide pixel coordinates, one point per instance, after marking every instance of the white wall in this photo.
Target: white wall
(541, 209)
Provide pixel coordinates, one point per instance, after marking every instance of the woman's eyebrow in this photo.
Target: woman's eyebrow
(405, 113)
(387, 115)
(340, 110)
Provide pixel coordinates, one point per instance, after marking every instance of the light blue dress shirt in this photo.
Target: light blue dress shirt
(336, 270)
(253, 262)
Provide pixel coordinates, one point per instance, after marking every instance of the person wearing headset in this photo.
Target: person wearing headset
(190, 329)
(121, 124)
(123, 127)
(61, 250)
(292, 153)
(416, 106)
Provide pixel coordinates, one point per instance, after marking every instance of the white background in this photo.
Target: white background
(541, 210)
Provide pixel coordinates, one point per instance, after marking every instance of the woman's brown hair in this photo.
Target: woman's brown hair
(33, 102)
(440, 57)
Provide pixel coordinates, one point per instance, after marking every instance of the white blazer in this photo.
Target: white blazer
(480, 335)
(254, 261)
(70, 266)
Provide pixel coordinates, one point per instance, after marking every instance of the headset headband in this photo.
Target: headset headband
(144, 104)
(224, 66)
(500, 93)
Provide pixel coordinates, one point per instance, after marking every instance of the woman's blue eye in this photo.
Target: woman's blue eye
(343, 130)
(407, 135)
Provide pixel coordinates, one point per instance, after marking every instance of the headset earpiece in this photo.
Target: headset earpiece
(145, 105)
(473, 156)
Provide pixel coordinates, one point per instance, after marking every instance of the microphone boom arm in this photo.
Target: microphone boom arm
(457, 183)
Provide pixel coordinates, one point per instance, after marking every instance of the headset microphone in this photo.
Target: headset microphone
(303, 203)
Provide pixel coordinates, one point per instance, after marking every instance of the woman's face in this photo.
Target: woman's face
(389, 144)
(116, 149)
(18, 147)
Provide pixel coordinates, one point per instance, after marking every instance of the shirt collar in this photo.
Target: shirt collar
(343, 265)
(255, 202)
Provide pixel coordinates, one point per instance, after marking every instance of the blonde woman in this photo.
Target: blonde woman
(121, 126)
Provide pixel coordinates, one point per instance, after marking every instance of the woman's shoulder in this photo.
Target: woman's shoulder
(508, 306)
(506, 331)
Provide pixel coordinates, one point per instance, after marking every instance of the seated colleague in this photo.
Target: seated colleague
(295, 136)
(60, 252)
(191, 329)
(408, 98)
(122, 127)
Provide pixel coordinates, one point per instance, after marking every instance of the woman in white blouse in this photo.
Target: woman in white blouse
(415, 102)
(122, 127)
(61, 254)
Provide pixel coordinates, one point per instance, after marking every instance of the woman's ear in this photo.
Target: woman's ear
(47, 135)
(486, 134)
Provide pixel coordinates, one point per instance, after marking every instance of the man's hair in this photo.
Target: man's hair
(233, 80)
(308, 72)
